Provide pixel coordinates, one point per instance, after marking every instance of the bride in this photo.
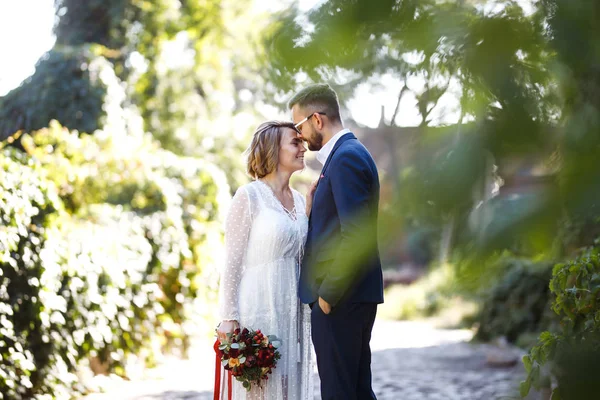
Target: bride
(265, 231)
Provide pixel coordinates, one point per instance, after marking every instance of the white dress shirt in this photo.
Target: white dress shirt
(325, 151)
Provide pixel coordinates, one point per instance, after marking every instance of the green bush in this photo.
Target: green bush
(572, 353)
(105, 246)
(517, 304)
(28, 206)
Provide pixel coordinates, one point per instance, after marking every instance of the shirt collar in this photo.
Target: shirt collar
(325, 151)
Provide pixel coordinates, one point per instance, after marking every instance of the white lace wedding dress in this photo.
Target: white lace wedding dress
(259, 282)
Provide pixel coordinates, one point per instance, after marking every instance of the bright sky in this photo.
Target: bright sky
(26, 34)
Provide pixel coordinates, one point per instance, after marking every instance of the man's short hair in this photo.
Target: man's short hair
(318, 98)
(263, 153)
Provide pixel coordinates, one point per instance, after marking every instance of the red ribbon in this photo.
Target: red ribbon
(217, 391)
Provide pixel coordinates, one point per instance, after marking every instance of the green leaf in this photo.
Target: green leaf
(527, 363)
(555, 395)
(535, 375)
(524, 387)
(546, 336)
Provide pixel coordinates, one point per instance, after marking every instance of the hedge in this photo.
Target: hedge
(106, 243)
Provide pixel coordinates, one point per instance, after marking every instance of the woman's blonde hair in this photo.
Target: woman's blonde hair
(263, 153)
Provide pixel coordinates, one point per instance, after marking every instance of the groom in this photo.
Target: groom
(341, 276)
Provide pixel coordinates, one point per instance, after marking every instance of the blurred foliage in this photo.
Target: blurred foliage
(110, 244)
(498, 59)
(431, 295)
(28, 205)
(68, 88)
(173, 91)
(104, 248)
(572, 352)
(126, 226)
(517, 167)
(95, 21)
(518, 303)
(517, 174)
(179, 64)
(72, 85)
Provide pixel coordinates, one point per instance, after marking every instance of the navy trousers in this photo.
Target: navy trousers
(341, 339)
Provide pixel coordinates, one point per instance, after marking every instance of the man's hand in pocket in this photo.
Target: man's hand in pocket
(325, 306)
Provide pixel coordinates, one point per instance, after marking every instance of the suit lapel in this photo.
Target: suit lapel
(338, 144)
(341, 140)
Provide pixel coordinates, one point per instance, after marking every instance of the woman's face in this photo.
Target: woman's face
(291, 151)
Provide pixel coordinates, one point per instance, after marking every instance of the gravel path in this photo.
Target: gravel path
(411, 361)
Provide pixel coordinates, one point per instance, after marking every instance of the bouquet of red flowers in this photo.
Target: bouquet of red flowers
(250, 356)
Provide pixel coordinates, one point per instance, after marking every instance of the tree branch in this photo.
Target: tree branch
(404, 89)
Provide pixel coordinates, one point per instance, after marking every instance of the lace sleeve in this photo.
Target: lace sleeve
(237, 231)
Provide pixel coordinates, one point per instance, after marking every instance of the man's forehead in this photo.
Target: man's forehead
(297, 109)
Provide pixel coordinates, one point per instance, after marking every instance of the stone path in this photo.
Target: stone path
(411, 361)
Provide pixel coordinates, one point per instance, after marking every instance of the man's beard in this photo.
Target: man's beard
(315, 143)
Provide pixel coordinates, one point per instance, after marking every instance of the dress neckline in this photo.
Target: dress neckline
(292, 214)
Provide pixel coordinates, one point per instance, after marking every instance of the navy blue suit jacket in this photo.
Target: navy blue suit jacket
(341, 258)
